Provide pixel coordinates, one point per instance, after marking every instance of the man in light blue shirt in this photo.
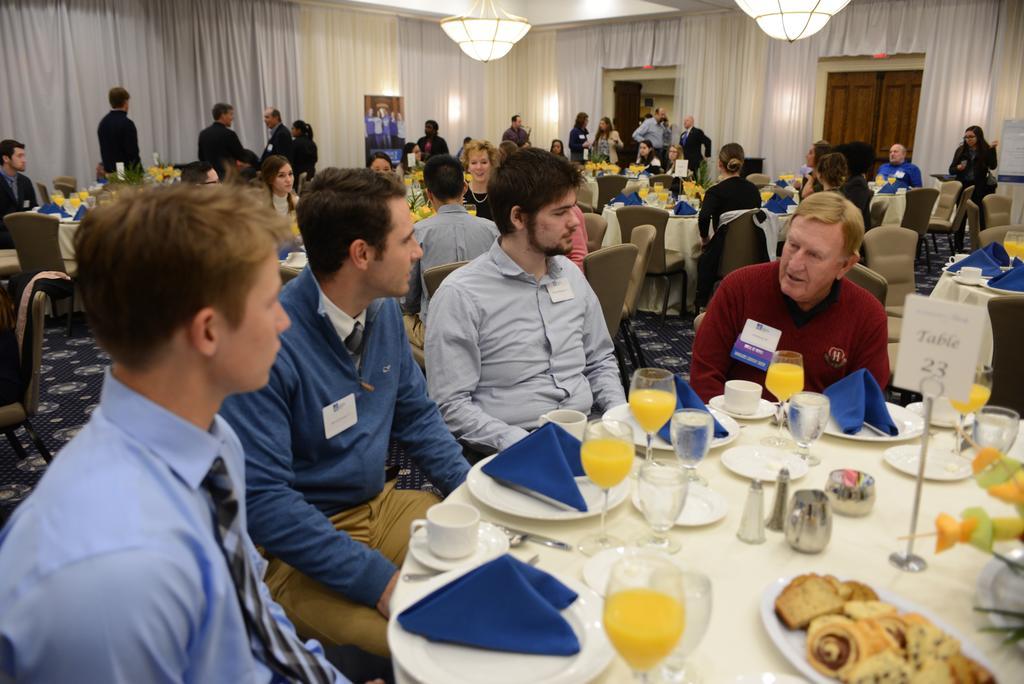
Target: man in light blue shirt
(451, 235)
(130, 562)
(655, 131)
(518, 331)
(907, 175)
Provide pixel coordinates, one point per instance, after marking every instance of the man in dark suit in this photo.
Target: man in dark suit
(16, 191)
(218, 144)
(119, 141)
(280, 137)
(696, 146)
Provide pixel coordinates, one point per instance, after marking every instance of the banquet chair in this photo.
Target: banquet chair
(990, 235)
(878, 210)
(997, 210)
(697, 320)
(664, 178)
(42, 192)
(584, 207)
(631, 217)
(920, 202)
(9, 264)
(288, 274)
(890, 253)
(1007, 316)
(300, 184)
(38, 246)
(974, 224)
(608, 271)
(643, 238)
(433, 277)
(872, 281)
(65, 184)
(744, 245)
(949, 225)
(596, 228)
(759, 179)
(607, 187)
(663, 263)
(17, 414)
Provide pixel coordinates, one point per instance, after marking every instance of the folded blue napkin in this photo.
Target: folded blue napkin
(979, 259)
(781, 183)
(52, 209)
(887, 189)
(777, 205)
(683, 208)
(80, 214)
(997, 252)
(545, 463)
(857, 399)
(687, 398)
(630, 200)
(504, 605)
(1011, 280)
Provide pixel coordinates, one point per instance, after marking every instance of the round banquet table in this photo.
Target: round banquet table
(736, 642)
(950, 290)
(588, 192)
(895, 205)
(66, 238)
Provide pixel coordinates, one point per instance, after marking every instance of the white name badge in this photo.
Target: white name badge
(119, 167)
(756, 344)
(560, 290)
(940, 344)
(900, 174)
(270, 147)
(26, 203)
(339, 416)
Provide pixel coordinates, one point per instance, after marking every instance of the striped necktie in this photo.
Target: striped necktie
(280, 650)
(354, 341)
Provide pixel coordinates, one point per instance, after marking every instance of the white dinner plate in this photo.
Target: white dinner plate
(499, 497)
(908, 423)
(703, 506)
(768, 678)
(792, 643)
(598, 567)
(763, 463)
(1000, 587)
(491, 543)
(622, 412)
(1000, 290)
(940, 420)
(941, 463)
(765, 409)
(434, 662)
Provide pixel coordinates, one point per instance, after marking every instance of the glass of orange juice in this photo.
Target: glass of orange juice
(1014, 244)
(766, 195)
(57, 198)
(652, 401)
(607, 457)
(785, 378)
(644, 611)
(980, 392)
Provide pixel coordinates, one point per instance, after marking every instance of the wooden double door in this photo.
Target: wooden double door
(876, 107)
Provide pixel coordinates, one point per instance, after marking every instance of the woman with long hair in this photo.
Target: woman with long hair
(810, 183)
(557, 148)
(648, 158)
(607, 142)
(578, 137)
(410, 148)
(304, 154)
(971, 164)
(276, 174)
(479, 157)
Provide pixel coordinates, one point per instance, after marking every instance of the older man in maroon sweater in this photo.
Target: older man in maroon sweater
(836, 325)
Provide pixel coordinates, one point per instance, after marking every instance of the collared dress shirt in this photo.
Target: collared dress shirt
(654, 132)
(500, 352)
(111, 572)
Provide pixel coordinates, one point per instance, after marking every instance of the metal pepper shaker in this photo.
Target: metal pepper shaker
(752, 523)
(777, 521)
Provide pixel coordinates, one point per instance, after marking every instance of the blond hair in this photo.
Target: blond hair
(150, 260)
(475, 146)
(832, 208)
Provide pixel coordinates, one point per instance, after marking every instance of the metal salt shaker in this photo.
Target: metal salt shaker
(777, 521)
(752, 523)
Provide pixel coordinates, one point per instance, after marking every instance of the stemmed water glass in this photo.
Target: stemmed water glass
(607, 457)
(652, 399)
(697, 594)
(662, 492)
(980, 392)
(644, 611)
(808, 416)
(692, 433)
(785, 378)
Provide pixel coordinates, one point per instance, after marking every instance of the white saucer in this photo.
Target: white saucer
(975, 283)
(941, 463)
(491, 543)
(703, 506)
(622, 412)
(763, 463)
(941, 421)
(597, 569)
(765, 409)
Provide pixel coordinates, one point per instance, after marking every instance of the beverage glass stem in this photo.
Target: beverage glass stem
(650, 448)
(604, 512)
(781, 416)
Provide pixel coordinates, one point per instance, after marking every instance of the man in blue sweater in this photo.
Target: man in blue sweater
(344, 384)
(906, 175)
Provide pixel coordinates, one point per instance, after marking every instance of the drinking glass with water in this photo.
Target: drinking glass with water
(692, 431)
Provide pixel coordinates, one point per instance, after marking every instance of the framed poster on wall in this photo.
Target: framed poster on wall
(385, 126)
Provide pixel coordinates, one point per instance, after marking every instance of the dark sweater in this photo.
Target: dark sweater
(847, 335)
(119, 141)
(857, 191)
(483, 207)
(729, 195)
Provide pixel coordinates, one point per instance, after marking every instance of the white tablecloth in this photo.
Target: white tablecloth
(950, 290)
(895, 206)
(736, 642)
(588, 191)
(66, 238)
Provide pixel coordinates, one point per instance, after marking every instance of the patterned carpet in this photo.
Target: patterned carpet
(72, 375)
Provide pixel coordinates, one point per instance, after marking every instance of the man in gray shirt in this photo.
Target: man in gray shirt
(656, 131)
(451, 235)
(518, 331)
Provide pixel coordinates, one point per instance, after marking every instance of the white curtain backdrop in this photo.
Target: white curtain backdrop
(177, 59)
(958, 38)
(524, 82)
(1008, 94)
(344, 55)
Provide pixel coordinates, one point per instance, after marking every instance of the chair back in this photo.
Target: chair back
(948, 192)
(608, 272)
(643, 238)
(288, 274)
(872, 281)
(697, 320)
(596, 228)
(664, 178)
(35, 337)
(759, 179)
(631, 217)
(433, 277)
(744, 245)
(65, 184)
(42, 192)
(36, 241)
(974, 224)
(997, 210)
(920, 202)
(301, 185)
(961, 209)
(1007, 316)
(878, 210)
(890, 253)
(608, 186)
(990, 235)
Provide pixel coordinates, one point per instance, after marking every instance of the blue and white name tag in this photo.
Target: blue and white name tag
(900, 174)
(560, 290)
(339, 416)
(756, 344)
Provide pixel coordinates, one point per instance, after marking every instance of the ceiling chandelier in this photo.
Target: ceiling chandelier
(486, 33)
(791, 19)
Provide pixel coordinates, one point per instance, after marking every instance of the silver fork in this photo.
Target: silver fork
(417, 576)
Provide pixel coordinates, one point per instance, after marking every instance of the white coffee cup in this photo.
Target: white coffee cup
(970, 274)
(742, 396)
(791, 209)
(571, 421)
(452, 529)
(295, 259)
(956, 257)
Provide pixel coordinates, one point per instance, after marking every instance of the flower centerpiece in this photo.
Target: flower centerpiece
(419, 205)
